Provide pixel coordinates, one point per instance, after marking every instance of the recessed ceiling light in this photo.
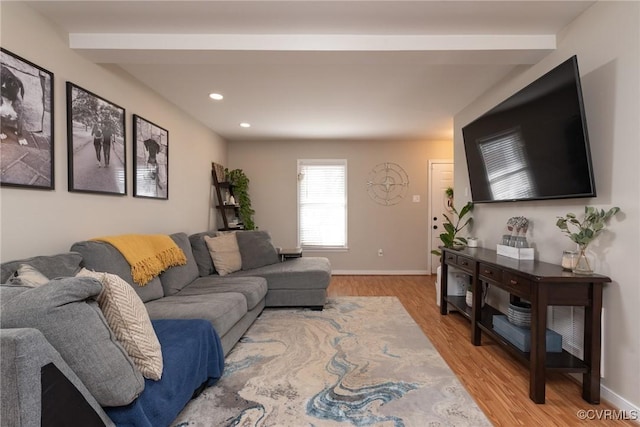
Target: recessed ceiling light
(245, 125)
(216, 96)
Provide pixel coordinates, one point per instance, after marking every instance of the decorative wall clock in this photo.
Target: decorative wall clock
(387, 183)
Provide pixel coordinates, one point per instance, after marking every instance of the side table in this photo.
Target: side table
(289, 253)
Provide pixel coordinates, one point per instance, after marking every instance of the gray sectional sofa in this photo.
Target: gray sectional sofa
(192, 291)
(231, 302)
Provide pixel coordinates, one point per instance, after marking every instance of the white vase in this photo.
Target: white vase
(469, 298)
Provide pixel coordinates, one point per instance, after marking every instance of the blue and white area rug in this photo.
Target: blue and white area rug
(361, 361)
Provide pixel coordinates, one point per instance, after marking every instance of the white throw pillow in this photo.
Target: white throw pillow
(225, 253)
(27, 275)
(128, 319)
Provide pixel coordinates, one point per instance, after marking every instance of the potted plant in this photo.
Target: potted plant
(452, 226)
(449, 237)
(240, 182)
(584, 232)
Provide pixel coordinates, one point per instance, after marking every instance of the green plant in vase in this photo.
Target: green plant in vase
(584, 232)
(452, 226)
(240, 183)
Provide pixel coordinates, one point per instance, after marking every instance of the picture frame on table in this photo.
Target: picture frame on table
(26, 134)
(96, 143)
(151, 163)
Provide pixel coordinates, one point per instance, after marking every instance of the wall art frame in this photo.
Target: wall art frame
(387, 183)
(26, 134)
(151, 159)
(96, 143)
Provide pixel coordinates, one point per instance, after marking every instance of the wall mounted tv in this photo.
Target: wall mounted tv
(534, 145)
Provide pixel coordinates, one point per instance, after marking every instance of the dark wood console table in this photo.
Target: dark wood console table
(542, 284)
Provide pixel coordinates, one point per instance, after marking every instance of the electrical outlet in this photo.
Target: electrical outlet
(380, 253)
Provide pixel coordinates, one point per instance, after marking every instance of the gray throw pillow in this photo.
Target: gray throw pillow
(201, 253)
(256, 249)
(60, 265)
(175, 278)
(65, 311)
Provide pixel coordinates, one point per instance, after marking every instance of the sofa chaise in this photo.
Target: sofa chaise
(297, 282)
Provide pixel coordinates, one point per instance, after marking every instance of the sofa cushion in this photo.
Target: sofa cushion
(101, 256)
(8, 291)
(254, 289)
(297, 274)
(65, 312)
(52, 266)
(175, 278)
(27, 275)
(224, 253)
(128, 318)
(201, 253)
(256, 249)
(223, 310)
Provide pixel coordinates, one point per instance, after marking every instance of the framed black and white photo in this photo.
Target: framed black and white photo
(26, 121)
(95, 143)
(151, 164)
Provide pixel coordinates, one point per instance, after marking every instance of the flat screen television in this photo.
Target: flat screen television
(534, 145)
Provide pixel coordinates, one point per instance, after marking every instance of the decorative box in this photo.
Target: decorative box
(521, 336)
(517, 253)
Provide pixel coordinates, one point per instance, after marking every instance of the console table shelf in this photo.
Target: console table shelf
(543, 285)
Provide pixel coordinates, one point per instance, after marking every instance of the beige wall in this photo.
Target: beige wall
(606, 39)
(400, 230)
(45, 222)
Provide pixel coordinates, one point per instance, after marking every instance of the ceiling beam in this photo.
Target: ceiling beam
(309, 42)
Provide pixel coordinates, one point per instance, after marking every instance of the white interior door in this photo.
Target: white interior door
(441, 177)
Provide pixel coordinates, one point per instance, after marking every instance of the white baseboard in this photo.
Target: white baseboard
(380, 272)
(621, 403)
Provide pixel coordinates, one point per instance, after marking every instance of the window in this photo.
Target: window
(322, 204)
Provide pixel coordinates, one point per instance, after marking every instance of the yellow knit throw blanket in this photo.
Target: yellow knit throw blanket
(148, 254)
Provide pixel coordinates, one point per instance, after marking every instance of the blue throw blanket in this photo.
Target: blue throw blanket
(192, 356)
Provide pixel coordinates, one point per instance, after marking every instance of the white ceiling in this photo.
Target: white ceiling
(350, 69)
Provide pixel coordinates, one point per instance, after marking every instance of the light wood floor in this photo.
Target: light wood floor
(496, 380)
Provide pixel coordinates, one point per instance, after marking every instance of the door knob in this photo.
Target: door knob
(435, 227)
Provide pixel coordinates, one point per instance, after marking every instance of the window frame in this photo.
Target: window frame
(301, 163)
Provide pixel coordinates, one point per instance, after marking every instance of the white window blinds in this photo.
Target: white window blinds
(322, 204)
